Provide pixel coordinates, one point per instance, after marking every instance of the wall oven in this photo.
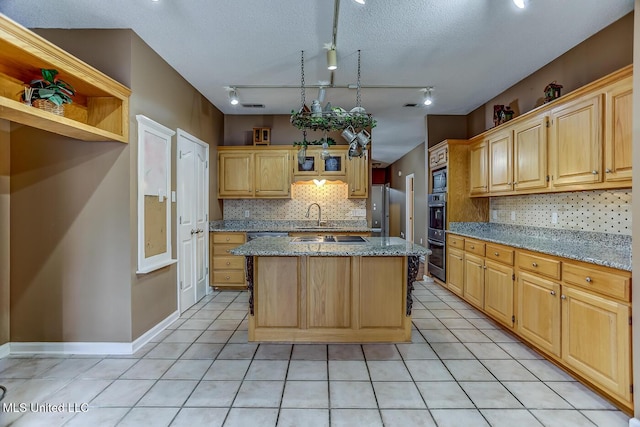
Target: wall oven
(439, 181)
(437, 207)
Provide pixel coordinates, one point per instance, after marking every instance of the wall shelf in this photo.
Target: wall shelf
(100, 109)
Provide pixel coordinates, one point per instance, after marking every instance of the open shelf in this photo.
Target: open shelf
(100, 107)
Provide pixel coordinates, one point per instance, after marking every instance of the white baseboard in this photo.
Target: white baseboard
(88, 347)
(634, 422)
(5, 350)
(151, 333)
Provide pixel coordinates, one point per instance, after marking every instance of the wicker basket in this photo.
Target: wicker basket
(46, 105)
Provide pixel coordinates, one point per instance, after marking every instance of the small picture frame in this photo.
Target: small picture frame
(266, 136)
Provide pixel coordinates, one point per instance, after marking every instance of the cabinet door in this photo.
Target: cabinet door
(273, 178)
(455, 271)
(382, 292)
(308, 166)
(335, 165)
(478, 171)
(438, 157)
(530, 154)
(596, 339)
(498, 292)
(474, 280)
(500, 162)
(618, 132)
(358, 177)
(235, 174)
(576, 142)
(539, 312)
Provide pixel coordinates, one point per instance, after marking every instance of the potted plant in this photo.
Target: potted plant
(49, 93)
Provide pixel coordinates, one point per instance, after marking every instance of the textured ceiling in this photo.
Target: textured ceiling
(456, 46)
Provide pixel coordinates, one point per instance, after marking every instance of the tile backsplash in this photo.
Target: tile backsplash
(331, 197)
(605, 211)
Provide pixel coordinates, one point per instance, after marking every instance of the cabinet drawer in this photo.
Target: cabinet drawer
(500, 254)
(455, 241)
(224, 249)
(539, 265)
(438, 158)
(474, 246)
(228, 237)
(228, 276)
(228, 263)
(603, 282)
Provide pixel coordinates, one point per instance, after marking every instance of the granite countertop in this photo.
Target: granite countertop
(610, 250)
(375, 246)
(356, 226)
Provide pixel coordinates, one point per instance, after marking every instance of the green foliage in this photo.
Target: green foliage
(51, 88)
(331, 121)
(330, 141)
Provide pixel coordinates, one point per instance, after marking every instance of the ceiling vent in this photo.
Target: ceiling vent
(411, 105)
(252, 105)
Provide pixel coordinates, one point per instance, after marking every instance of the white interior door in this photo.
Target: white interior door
(193, 229)
(409, 207)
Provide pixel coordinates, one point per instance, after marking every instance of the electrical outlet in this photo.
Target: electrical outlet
(494, 214)
(513, 215)
(247, 213)
(554, 217)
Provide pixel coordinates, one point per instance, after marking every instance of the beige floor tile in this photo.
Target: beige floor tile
(187, 370)
(520, 351)
(77, 392)
(545, 370)
(452, 351)
(182, 335)
(348, 370)
(485, 394)
(423, 324)
(579, 395)
(470, 335)
(202, 351)
(167, 350)
(561, 418)
(239, 337)
(30, 368)
(254, 417)
(536, 395)
(306, 394)
(108, 369)
(428, 370)
(259, 394)
(407, 418)
(398, 395)
(213, 394)
(233, 314)
(309, 352)
(468, 370)
(224, 325)
(487, 351)
(227, 370)
(168, 393)
(439, 335)
(267, 370)
(122, 393)
(196, 417)
(148, 369)
(214, 337)
(415, 351)
(381, 352)
(509, 370)
(345, 352)
(388, 370)
(459, 323)
(607, 418)
(238, 351)
(310, 370)
(510, 418)
(98, 417)
(355, 417)
(156, 417)
(444, 394)
(70, 368)
(303, 417)
(351, 394)
(274, 351)
(459, 417)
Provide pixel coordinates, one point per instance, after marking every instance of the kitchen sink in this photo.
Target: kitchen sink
(329, 239)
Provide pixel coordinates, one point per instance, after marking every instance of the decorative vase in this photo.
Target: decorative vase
(49, 106)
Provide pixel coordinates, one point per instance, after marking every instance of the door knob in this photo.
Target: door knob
(193, 232)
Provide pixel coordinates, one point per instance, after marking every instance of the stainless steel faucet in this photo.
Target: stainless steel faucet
(319, 212)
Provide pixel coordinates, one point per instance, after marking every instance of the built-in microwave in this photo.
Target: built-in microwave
(439, 181)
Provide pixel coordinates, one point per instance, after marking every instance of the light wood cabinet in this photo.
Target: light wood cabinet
(235, 174)
(228, 269)
(498, 291)
(618, 131)
(358, 177)
(478, 168)
(576, 142)
(500, 147)
(272, 173)
(455, 271)
(539, 312)
(439, 157)
(474, 280)
(530, 154)
(596, 339)
(254, 173)
(100, 108)
(276, 306)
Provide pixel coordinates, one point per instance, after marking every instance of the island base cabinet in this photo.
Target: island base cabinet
(329, 299)
(595, 340)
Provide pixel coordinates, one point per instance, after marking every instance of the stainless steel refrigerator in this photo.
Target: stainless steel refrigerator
(380, 210)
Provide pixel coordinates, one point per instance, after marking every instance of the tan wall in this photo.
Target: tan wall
(636, 208)
(599, 55)
(177, 105)
(441, 127)
(5, 189)
(411, 163)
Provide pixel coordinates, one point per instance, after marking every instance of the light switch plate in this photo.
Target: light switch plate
(554, 217)
(513, 215)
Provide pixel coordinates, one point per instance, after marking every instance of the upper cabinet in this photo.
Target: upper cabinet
(617, 137)
(235, 174)
(581, 141)
(272, 177)
(576, 142)
(100, 108)
(358, 176)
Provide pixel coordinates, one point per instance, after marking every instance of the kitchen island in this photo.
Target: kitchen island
(330, 292)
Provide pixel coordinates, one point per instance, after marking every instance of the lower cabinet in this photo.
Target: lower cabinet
(228, 269)
(577, 314)
(539, 312)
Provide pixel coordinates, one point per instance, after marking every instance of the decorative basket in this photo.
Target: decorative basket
(46, 105)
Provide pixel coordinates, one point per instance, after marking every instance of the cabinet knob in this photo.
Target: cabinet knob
(228, 263)
(534, 264)
(496, 254)
(595, 172)
(588, 279)
(563, 297)
(484, 266)
(228, 250)
(472, 247)
(607, 170)
(228, 238)
(227, 277)
(508, 183)
(515, 183)
(553, 293)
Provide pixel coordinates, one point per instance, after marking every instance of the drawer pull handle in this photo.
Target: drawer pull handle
(228, 263)
(534, 264)
(588, 279)
(496, 254)
(227, 277)
(473, 247)
(553, 293)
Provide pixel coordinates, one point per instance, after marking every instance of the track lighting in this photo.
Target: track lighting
(233, 96)
(428, 100)
(519, 3)
(360, 1)
(332, 59)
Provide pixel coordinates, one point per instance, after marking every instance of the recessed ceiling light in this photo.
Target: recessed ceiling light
(519, 3)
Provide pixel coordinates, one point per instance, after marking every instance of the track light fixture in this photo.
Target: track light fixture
(332, 59)
(233, 96)
(360, 1)
(427, 100)
(519, 3)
